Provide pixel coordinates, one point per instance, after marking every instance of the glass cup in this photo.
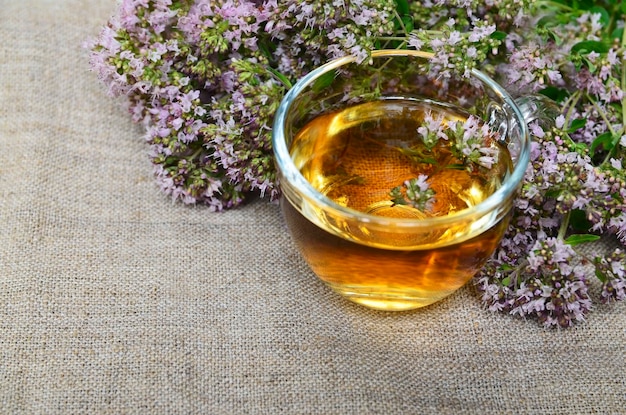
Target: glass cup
(347, 139)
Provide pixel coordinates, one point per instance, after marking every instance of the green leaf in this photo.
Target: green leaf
(584, 4)
(324, 81)
(600, 276)
(267, 48)
(408, 23)
(604, 141)
(547, 21)
(429, 160)
(590, 65)
(402, 7)
(578, 239)
(555, 37)
(453, 166)
(506, 281)
(581, 148)
(498, 35)
(588, 46)
(555, 94)
(282, 78)
(576, 124)
(624, 7)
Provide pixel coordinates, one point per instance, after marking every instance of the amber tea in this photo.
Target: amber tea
(362, 157)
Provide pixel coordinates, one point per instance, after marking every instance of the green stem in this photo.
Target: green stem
(571, 102)
(399, 18)
(432, 32)
(614, 133)
(602, 114)
(564, 225)
(195, 154)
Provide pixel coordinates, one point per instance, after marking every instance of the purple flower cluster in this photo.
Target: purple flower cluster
(469, 140)
(575, 189)
(416, 193)
(544, 284)
(463, 34)
(564, 192)
(612, 272)
(205, 77)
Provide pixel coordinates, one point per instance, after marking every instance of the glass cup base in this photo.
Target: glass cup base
(386, 299)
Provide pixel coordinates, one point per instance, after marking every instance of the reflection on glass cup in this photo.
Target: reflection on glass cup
(358, 146)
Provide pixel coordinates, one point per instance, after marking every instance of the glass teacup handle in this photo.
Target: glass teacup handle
(536, 107)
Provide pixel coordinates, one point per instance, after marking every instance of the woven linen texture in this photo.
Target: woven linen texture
(115, 300)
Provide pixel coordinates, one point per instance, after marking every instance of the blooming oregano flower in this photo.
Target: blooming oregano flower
(415, 193)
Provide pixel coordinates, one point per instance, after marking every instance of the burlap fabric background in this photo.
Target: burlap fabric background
(114, 300)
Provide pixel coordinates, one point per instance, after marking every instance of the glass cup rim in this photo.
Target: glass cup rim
(289, 172)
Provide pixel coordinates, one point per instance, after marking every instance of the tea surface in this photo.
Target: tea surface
(358, 155)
